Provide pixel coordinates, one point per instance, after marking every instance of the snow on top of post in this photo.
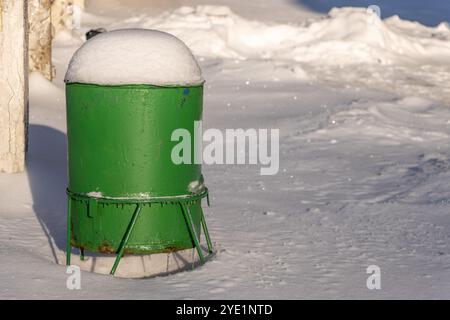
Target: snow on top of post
(134, 56)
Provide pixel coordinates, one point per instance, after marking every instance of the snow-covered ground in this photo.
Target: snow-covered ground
(363, 111)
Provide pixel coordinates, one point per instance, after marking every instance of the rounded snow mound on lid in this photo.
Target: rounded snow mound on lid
(134, 56)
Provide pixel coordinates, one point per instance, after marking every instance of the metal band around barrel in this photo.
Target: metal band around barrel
(164, 199)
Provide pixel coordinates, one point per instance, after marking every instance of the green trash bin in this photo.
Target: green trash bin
(125, 194)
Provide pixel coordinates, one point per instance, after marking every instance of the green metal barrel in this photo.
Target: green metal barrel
(119, 157)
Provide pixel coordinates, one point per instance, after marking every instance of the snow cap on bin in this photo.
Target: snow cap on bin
(134, 56)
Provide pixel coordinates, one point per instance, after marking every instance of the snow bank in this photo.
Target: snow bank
(345, 36)
(134, 56)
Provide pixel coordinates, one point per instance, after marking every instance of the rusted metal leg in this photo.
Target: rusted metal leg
(69, 219)
(125, 238)
(188, 218)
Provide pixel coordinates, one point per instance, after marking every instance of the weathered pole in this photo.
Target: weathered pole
(13, 85)
(65, 14)
(40, 37)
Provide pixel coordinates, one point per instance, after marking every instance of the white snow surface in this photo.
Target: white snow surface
(345, 36)
(134, 56)
(364, 160)
(329, 47)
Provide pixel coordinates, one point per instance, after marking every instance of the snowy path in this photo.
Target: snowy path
(364, 171)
